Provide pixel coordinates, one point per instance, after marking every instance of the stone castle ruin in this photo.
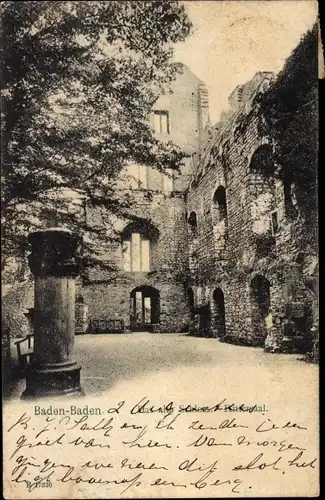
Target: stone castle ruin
(225, 249)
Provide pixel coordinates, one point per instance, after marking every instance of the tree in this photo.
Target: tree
(290, 112)
(78, 82)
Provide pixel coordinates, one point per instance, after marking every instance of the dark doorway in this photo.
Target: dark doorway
(204, 321)
(144, 308)
(260, 302)
(219, 205)
(219, 316)
(192, 220)
(190, 302)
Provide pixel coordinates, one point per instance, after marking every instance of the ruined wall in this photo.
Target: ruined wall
(108, 293)
(231, 259)
(254, 255)
(187, 104)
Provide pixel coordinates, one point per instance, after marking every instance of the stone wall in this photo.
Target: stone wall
(187, 104)
(231, 253)
(255, 255)
(229, 234)
(107, 293)
(112, 300)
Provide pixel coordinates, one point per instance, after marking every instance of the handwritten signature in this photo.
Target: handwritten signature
(129, 450)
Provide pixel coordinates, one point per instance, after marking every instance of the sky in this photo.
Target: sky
(232, 40)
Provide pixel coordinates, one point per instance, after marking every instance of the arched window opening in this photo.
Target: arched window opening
(144, 308)
(192, 221)
(137, 176)
(264, 199)
(260, 303)
(262, 160)
(137, 246)
(79, 299)
(219, 205)
(136, 253)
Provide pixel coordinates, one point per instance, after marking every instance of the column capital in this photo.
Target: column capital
(55, 252)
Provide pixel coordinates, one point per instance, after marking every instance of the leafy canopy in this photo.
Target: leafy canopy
(290, 111)
(78, 83)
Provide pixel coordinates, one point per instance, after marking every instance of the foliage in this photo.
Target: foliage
(14, 304)
(289, 111)
(78, 83)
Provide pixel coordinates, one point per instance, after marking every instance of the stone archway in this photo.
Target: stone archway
(219, 205)
(204, 317)
(218, 313)
(260, 304)
(144, 308)
(192, 222)
(190, 303)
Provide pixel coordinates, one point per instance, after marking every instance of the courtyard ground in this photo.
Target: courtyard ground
(182, 362)
(120, 371)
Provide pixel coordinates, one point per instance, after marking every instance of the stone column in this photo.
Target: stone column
(55, 262)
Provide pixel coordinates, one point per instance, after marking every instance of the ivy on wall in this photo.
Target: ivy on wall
(288, 111)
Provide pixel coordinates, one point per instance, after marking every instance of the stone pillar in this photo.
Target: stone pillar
(55, 262)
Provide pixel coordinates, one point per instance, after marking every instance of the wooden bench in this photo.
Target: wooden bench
(106, 325)
(24, 358)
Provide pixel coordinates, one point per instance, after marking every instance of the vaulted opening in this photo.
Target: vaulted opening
(260, 304)
(144, 308)
(219, 316)
(190, 302)
(219, 205)
(138, 247)
(192, 222)
(204, 313)
(262, 160)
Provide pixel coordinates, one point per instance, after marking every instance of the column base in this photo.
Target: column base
(62, 379)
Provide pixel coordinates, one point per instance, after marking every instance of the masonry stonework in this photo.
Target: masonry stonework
(182, 114)
(108, 293)
(226, 253)
(257, 262)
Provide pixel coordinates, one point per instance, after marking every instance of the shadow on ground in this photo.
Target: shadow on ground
(108, 359)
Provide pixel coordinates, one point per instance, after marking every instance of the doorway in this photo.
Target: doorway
(190, 303)
(219, 316)
(204, 321)
(144, 308)
(260, 302)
